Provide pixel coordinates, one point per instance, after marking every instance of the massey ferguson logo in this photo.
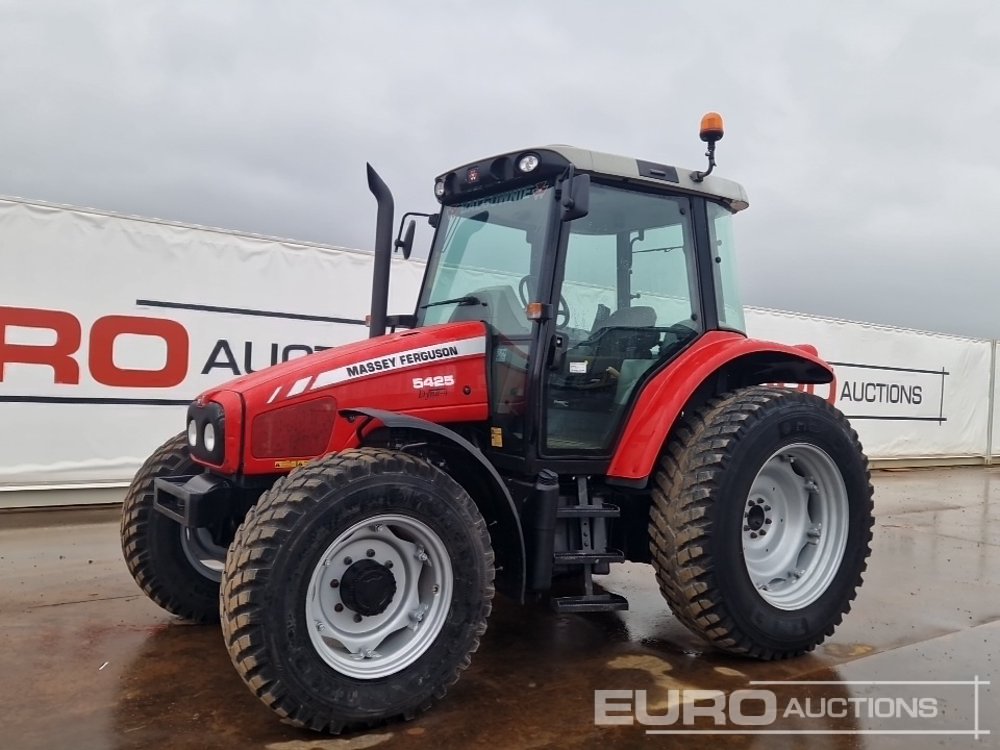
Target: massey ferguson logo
(405, 359)
(399, 361)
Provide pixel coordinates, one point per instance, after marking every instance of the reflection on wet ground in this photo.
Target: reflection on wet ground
(88, 662)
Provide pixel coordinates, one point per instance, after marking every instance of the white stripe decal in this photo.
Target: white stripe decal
(274, 395)
(299, 386)
(401, 360)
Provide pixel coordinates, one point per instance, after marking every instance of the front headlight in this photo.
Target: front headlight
(209, 437)
(207, 432)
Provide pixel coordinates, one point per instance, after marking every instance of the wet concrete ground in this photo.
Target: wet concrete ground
(87, 662)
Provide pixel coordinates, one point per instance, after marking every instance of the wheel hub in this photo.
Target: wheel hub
(756, 516)
(795, 526)
(379, 595)
(367, 588)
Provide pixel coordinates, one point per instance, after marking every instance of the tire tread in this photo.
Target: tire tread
(171, 458)
(266, 526)
(686, 481)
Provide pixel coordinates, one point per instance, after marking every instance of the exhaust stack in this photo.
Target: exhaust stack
(383, 252)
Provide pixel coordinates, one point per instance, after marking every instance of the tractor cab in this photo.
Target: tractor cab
(592, 272)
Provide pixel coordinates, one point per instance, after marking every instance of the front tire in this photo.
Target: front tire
(357, 589)
(762, 521)
(177, 568)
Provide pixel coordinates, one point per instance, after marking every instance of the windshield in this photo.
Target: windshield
(485, 260)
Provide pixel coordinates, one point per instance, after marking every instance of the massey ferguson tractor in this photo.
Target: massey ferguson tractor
(573, 390)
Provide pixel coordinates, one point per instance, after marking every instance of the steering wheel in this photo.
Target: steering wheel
(562, 310)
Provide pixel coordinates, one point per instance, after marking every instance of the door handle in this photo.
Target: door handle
(557, 352)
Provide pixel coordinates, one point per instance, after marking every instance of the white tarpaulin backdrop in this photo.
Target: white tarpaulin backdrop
(908, 393)
(994, 447)
(136, 317)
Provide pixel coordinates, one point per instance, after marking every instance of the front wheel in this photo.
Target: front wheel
(178, 568)
(762, 521)
(357, 589)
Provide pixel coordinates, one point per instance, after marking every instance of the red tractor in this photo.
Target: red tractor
(575, 389)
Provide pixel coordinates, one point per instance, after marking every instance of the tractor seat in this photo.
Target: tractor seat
(620, 346)
(629, 317)
(620, 335)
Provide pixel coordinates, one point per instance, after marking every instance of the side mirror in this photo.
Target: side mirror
(404, 238)
(576, 198)
(405, 244)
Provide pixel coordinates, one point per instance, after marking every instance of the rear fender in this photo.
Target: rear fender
(471, 469)
(718, 362)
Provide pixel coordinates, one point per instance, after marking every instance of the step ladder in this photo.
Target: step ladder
(593, 555)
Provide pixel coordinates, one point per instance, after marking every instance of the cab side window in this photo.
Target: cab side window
(630, 287)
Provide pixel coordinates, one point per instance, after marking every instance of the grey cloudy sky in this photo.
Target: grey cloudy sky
(864, 132)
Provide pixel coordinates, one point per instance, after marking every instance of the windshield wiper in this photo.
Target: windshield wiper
(468, 300)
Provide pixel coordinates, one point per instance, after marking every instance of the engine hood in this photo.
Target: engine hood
(360, 360)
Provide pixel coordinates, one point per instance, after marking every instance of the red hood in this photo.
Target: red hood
(287, 374)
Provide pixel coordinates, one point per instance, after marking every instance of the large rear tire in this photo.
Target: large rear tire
(357, 589)
(762, 521)
(177, 568)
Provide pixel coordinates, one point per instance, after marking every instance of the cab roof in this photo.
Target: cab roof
(494, 171)
(614, 165)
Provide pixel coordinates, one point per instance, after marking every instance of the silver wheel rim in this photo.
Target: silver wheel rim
(371, 646)
(205, 556)
(795, 526)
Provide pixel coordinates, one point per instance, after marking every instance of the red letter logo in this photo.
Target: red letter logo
(102, 349)
(58, 356)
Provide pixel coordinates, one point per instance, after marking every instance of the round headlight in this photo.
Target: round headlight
(209, 437)
(528, 163)
(192, 433)
(439, 188)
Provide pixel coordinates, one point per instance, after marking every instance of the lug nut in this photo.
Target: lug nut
(370, 553)
(746, 528)
(338, 607)
(334, 583)
(767, 520)
(767, 507)
(762, 532)
(348, 561)
(753, 534)
(357, 618)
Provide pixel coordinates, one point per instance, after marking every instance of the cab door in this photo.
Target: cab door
(628, 298)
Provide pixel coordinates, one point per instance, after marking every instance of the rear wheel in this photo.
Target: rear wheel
(357, 589)
(178, 568)
(762, 521)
